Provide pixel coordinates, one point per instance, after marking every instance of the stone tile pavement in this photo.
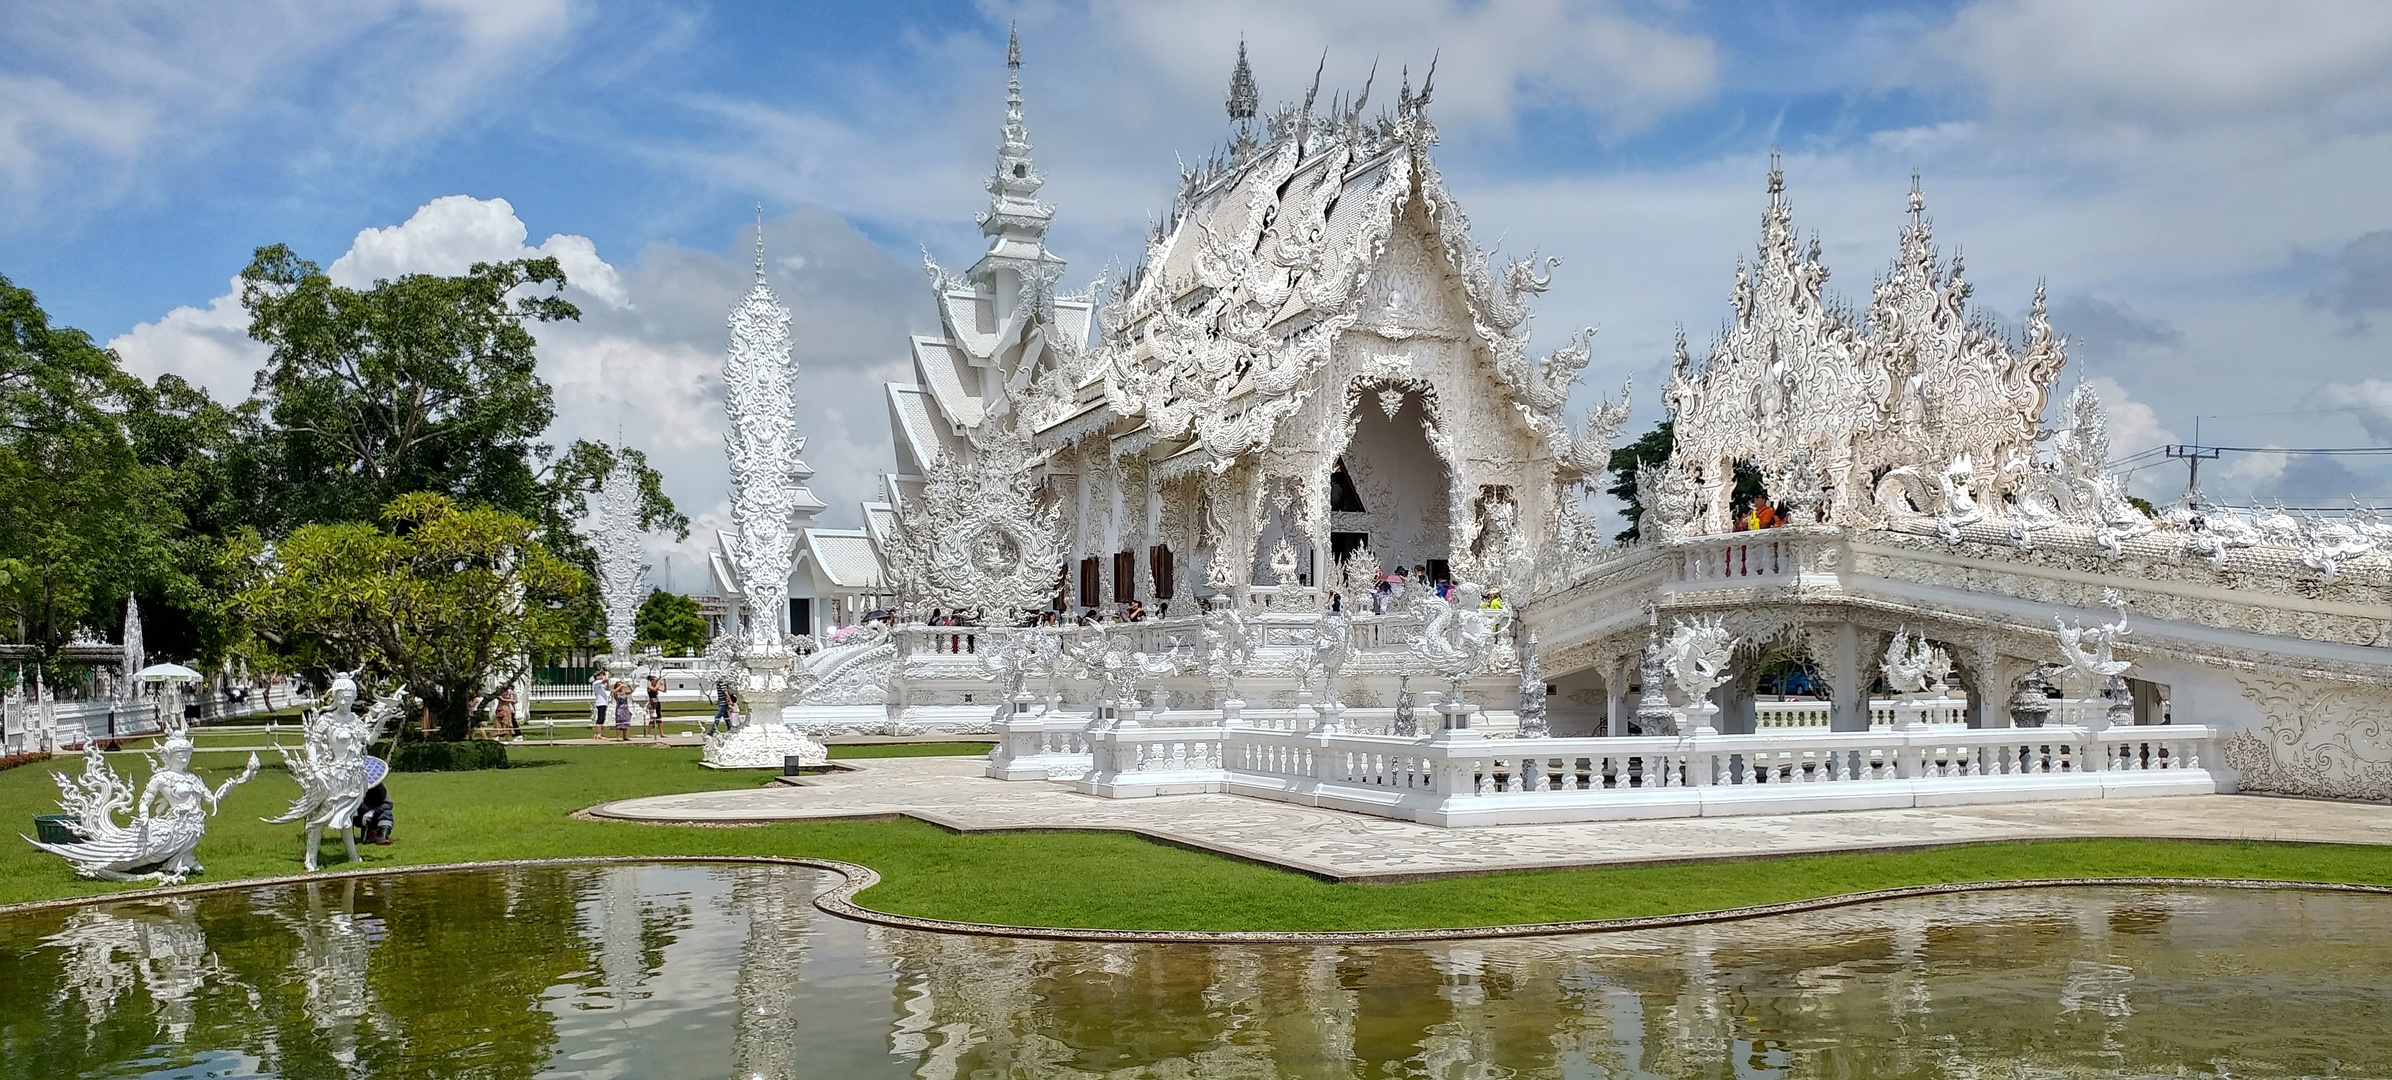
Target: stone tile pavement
(950, 792)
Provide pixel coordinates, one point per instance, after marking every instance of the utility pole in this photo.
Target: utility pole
(2193, 454)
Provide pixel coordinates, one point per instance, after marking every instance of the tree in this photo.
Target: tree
(1650, 449)
(426, 383)
(671, 622)
(1654, 448)
(448, 601)
(83, 520)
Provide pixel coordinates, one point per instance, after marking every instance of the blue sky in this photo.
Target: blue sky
(2198, 184)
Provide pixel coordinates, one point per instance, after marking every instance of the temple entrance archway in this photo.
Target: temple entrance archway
(1395, 495)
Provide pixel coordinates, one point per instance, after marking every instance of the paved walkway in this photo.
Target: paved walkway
(951, 792)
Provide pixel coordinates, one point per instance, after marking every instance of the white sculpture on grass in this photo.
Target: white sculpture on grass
(1696, 656)
(615, 537)
(159, 840)
(332, 768)
(760, 398)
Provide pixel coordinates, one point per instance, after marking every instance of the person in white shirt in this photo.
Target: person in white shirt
(602, 697)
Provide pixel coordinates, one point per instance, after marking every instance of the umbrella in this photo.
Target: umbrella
(375, 770)
(167, 673)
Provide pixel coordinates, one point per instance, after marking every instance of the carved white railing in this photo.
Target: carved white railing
(1737, 559)
(1793, 715)
(1483, 781)
(1040, 747)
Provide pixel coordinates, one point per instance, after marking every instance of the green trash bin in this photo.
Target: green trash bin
(56, 829)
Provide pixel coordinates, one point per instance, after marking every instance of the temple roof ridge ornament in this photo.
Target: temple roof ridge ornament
(1244, 96)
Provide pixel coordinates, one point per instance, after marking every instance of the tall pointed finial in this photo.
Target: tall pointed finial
(1013, 46)
(759, 243)
(1244, 96)
(1315, 92)
(1918, 200)
(1777, 178)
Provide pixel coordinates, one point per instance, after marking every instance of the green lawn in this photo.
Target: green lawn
(1085, 879)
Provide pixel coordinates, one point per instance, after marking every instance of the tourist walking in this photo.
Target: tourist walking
(600, 698)
(722, 706)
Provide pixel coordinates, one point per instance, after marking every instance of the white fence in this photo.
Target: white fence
(1469, 780)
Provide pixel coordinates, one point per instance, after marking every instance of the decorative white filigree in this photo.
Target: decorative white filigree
(1109, 653)
(1927, 386)
(159, 840)
(1531, 709)
(619, 543)
(979, 536)
(331, 765)
(759, 397)
(1696, 657)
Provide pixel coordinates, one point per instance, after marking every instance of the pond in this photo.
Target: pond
(687, 970)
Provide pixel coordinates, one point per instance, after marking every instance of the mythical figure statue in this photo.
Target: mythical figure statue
(159, 840)
(1229, 644)
(331, 766)
(1332, 650)
(1457, 638)
(1024, 653)
(1110, 654)
(1532, 692)
(1908, 663)
(2087, 648)
(1696, 656)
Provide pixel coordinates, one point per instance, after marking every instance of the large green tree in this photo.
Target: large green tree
(425, 383)
(447, 600)
(670, 621)
(82, 519)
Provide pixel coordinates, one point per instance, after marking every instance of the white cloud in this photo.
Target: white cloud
(2251, 471)
(2169, 65)
(210, 347)
(451, 233)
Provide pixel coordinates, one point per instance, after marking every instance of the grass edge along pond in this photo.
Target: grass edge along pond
(1078, 879)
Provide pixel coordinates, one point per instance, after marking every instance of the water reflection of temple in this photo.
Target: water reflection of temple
(711, 971)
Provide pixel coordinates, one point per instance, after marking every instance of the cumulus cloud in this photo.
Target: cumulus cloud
(451, 233)
(210, 347)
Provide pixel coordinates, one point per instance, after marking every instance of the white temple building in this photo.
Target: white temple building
(1294, 511)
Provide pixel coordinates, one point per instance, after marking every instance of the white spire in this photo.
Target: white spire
(1015, 221)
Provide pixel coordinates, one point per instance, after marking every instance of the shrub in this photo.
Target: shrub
(11, 761)
(432, 756)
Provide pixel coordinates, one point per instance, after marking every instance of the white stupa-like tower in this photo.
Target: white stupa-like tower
(768, 494)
